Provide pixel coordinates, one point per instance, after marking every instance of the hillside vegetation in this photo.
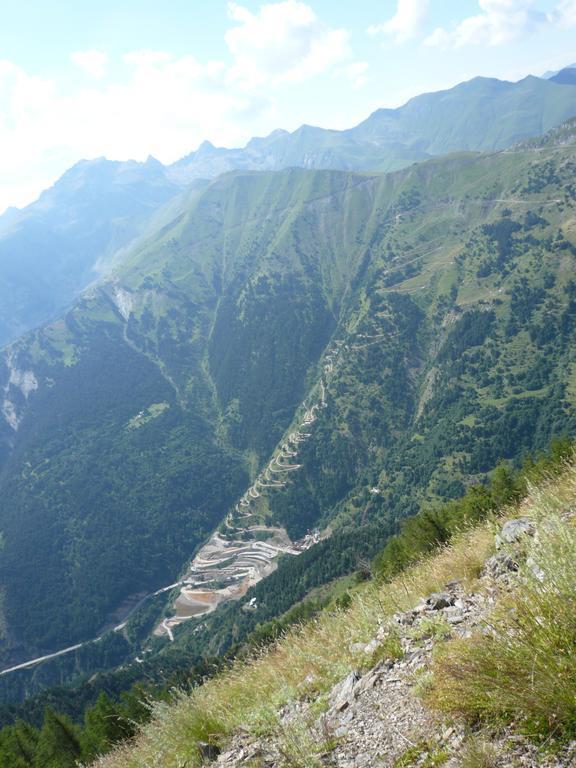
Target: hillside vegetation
(514, 674)
(77, 230)
(440, 299)
(108, 722)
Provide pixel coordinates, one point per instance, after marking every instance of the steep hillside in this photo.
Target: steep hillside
(466, 658)
(54, 248)
(426, 317)
(482, 114)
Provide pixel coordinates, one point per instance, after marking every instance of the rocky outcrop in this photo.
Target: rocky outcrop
(21, 383)
(375, 716)
(123, 301)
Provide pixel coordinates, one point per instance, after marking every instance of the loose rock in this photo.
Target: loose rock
(513, 531)
(439, 600)
(499, 565)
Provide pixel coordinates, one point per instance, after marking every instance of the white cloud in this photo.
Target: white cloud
(282, 42)
(162, 104)
(92, 63)
(165, 106)
(564, 14)
(357, 73)
(499, 22)
(406, 23)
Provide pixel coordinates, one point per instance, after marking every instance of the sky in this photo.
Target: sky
(82, 79)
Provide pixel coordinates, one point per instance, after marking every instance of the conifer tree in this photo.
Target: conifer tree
(26, 740)
(103, 726)
(58, 744)
(17, 746)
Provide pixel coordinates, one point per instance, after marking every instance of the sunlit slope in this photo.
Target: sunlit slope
(132, 426)
(482, 114)
(457, 346)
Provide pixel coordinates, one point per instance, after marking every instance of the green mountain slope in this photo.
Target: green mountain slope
(55, 247)
(482, 114)
(442, 295)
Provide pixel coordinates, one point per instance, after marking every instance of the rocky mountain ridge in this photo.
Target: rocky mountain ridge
(79, 229)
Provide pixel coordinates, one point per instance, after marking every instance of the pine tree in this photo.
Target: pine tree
(103, 727)
(504, 486)
(16, 747)
(58, 744)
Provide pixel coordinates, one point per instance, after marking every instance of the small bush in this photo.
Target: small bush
(522, 667)
(389, 649)
(424, 755)
(435, 627)
(478, 753)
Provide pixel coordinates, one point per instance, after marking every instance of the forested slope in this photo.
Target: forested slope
(441, 297)
(54, 248)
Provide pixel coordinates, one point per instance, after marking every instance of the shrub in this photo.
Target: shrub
(522, 666)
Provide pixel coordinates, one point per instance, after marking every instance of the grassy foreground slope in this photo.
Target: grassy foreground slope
(132, 425)
(515, 673)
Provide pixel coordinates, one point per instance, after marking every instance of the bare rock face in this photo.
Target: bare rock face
(19, 387)
(514, 531)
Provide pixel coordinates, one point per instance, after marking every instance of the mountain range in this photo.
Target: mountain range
(56, 247)
(439, 298)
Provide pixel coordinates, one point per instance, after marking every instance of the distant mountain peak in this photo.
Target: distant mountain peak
(206, 148)
(551, 73)
(566, 76)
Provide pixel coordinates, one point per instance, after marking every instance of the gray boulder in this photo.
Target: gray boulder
(342, 694)
(500, 564)
(439, 600)
(514, 531)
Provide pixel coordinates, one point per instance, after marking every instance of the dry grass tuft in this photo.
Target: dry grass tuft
(521, 667)
(479, 753)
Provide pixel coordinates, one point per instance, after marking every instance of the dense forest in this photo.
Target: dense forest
(435, 307)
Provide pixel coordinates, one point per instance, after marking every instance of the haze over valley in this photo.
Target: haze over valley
(247, 394)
